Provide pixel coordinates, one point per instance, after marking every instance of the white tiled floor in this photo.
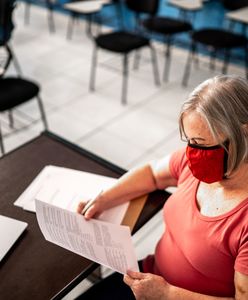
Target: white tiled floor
(129, 135)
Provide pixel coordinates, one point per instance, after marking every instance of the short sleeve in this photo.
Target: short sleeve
(241, 262)
(177, 163)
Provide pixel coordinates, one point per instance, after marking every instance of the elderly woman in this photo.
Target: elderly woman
(203, 253)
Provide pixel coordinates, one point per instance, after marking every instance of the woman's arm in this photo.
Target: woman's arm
(241, 286)
(146, 286)
(134, 183)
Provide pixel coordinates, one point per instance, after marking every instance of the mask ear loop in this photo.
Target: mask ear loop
(225, 162)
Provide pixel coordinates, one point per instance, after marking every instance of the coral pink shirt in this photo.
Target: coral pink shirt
(197, 252)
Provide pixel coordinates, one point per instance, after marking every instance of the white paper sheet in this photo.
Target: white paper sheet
(103, 242)
(69, 197)
(65, 188)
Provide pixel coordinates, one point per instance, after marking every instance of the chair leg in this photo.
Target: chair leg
(27, 12)
(125, 80)
(167, 59)
(42, 112)
(226, 61)
(11, 119)
(155, 65)
(188, 65)
(89, 22)
(70, 25)
(1, 142)
(196, 58)
(15, 60)
(212, 59)
(99, 25)
(93, 69)
(137, 57)
(51, 23)
(9, 58)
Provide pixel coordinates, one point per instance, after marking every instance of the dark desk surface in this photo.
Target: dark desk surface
(35, 268)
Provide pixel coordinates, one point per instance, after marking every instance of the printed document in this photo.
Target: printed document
(103, 242)
(54, 195)
(66, 187)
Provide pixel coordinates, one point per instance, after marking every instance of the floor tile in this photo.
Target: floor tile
(142, 127)
(112, 147)
(67, 126)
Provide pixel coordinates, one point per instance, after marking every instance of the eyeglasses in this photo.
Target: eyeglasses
(195, 141)
(188, 141)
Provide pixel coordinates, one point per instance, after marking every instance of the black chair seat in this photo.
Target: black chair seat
(219, 38)
(15, 91)
(121, 41)
(165, 25)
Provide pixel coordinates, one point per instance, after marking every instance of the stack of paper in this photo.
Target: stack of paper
(65, 188)
(54, 195)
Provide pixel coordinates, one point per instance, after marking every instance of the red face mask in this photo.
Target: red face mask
(208, 164)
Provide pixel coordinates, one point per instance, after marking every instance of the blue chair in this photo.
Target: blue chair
(15, 91)
(124, 42)
(217, 40)
(6, 29)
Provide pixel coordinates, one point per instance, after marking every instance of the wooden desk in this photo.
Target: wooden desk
(84, 8)
(239, 15)
(188, 5)
(35, 268)
(187, 8)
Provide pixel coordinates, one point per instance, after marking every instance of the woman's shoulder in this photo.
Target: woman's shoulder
(178, 163)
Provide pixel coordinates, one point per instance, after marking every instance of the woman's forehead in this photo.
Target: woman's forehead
(195, 126)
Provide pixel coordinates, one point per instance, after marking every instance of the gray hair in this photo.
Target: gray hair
(223, 102)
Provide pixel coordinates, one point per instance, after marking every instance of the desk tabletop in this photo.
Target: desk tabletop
(190, 5)
(34, 268)
(86, 7)
(239, 15)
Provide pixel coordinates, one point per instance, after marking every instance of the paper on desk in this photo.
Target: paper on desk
(103, 242)
(28, 196)
(65, 187)
(68, 198)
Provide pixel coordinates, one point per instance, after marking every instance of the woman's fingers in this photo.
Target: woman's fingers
(132, 277)
(136, 275)
(90, 212)
(87, 208)
(128, 280)
(90, 207)
(80, 206)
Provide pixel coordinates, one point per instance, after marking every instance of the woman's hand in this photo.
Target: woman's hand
(90, 208)
(146, 286)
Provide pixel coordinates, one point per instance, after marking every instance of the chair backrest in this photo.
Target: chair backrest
(234, 4)
(143, 6)
(6, 23)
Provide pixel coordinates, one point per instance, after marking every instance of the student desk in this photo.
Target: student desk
(84, 8)
(35, 268)
(240, 16)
